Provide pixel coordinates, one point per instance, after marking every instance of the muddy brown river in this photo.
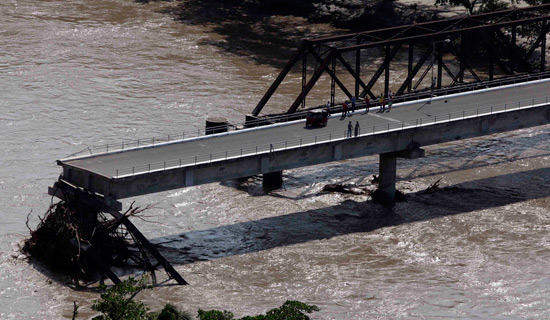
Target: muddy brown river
(80, 73)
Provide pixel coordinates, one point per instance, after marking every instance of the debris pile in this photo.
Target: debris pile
(76, 240)
(345, 188)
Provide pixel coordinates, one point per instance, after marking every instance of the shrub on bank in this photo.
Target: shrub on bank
(117, 303)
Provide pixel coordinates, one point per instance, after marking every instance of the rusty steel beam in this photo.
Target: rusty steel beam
(295, 57)
(421, 34)
(408, 81)
(542, 37)
(311, 82)
(97, 202)
(354, 74)
(438, 24)
(440, 35)
(382, 68)
(514, 50)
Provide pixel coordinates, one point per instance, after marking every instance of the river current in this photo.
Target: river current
(79, 73)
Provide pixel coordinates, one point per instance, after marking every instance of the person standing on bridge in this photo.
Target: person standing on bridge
(367, 104)
(382, 103)
(357, 129)
(389, 103)
(344, 109)
(350, 128)
(353, 104)
(434, 82)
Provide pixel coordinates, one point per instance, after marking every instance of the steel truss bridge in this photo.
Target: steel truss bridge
(99, 179)
(501, 44)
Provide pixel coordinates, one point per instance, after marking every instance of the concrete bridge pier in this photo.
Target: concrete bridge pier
(385, 193)
(387, 177)
(272, 180)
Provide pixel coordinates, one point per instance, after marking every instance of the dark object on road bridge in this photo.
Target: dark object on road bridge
(316, 117)
(216, 125)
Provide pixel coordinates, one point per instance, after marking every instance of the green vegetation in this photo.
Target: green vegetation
(290, 310)
(117, 303)
(170, 312)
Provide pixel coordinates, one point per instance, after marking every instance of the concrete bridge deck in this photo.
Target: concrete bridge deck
(247, 152)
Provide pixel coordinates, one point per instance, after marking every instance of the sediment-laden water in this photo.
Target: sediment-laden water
(78, 73)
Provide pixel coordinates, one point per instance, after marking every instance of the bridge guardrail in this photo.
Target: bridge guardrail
(324, 138)
(471, 86)
(183, 135)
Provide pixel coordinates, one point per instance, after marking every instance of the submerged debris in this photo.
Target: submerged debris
(434, 187)
(76, 240)
(380, 197)
(346, 188)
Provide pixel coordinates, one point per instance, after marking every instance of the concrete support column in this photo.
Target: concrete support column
(386, 193)
(272, 180)
(388, 172)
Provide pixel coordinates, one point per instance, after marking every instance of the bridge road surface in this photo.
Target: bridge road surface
(134, 161)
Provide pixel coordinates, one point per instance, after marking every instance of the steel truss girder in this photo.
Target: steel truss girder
(424, 34)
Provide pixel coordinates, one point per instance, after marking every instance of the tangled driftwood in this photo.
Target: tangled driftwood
(74, 239)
